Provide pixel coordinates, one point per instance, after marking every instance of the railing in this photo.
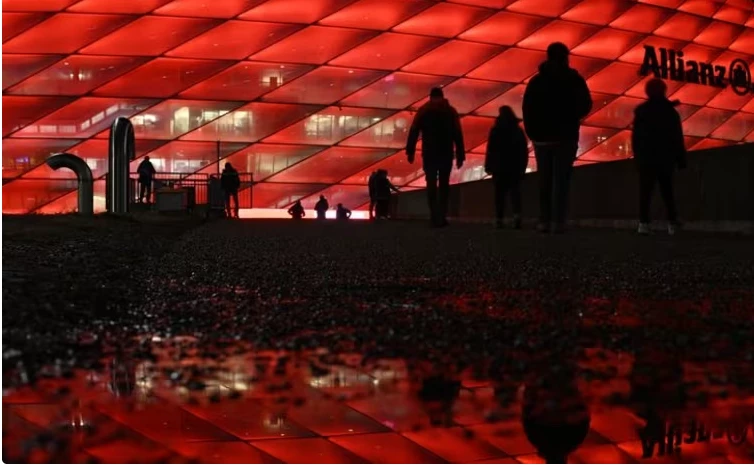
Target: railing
(200, 182)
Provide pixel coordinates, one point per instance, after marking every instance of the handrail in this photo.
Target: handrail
(83, 175)
(121, 151)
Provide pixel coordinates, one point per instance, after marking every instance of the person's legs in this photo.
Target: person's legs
(372, 206)
(515, 190)
(228, 211)
(235, 202)
(142, 191)
(430, 174)
(665, 180)
(149, 191)
(647, 178)
(544, 156)
(563, 159)
(444, 180)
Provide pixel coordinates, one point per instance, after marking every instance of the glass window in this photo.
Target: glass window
(246, 81)
(443, 20)
(397, 91)
(325, 85)
(294, 11)
(454, 58)
(223, 9)
(281, 195)
(19, 112)
(375, 14)
(19, 67)
(20, 155)
(329, 126)
(264, 160)
(314, 45)
(387, 51)
(505, 28)
(332, 165)
(391, 132)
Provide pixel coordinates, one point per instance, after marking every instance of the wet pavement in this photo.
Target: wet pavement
(265, 341)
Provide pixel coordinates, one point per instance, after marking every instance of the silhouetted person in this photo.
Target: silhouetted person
(657, 141)
(438, 393)
(146, 174)
(297, 211)
(555, 102)
(507, 157)
(342, 213)
(372, 195)
(321, 208)
(230, 182)
(383, 188)
(440, 128)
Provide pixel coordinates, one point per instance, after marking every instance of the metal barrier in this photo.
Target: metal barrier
(199, 182)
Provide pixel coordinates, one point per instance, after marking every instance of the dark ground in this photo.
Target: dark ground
(506, 306)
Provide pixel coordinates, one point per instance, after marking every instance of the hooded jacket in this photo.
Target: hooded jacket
(440, 128)
(230, 180)
(657, 135)
(507, 150)
(555, 102)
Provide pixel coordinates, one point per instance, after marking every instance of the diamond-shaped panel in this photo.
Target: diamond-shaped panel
(313, 95)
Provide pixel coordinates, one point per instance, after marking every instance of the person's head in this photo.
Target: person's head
(557, 53)
(228, 166)
(321, 197)
(340, 205)
(656, 88)
(436, 94)
(146, 158)
(507, 115)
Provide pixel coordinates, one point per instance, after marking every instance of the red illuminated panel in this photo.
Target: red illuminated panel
(600, 101)
(387, 51)
(704, 121)
(587, 67)
(36, 5)
(222, 452)
(385, 448)
(234, 40)
(279, 195)
(618, 114)
(68, 203)
(695, 94)
(599, 12)
(187, 157)
(329, 126)
(744, 43)
(20, 155)
(443, 20)
(264, 160)
(638, 90)
(475, 130)
(505, 28)
(500, 69)
(223, 9)
(617, 147)
(590, 137)
(472, 170)
(149, 36)
(727, 99)
(19, 112)
(172, 118)
(636, 54)
(454, 58)
(513, 98)
(391, 132)
(294, 11)
(732, 15)
(399, 170)
(700, 7)
(700, 53)
(76, 75)
(246, 81)
(615, 79)
(16, 23)
(710, 144)
(83, 118)
(569, 33)
(466, 95)
(719, 34)
(736, 128)
(642, 18)
(608, 44)
(398, 90)
(129, 7)
(682, 26)
(375, 14)
(18, 67)
(325, 85)
(25, 195)
(315, 45)
(665, 3)
(251, 122)
(310, 450)
(166, 77)
(331, 166)
(351, 197)
(64, 33)
(551, 8)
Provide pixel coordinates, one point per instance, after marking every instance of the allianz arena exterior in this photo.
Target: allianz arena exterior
(312, 95)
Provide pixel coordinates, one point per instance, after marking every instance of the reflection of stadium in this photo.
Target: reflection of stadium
(312, 95)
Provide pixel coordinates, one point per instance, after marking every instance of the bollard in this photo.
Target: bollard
(121, 151)
(83, 175)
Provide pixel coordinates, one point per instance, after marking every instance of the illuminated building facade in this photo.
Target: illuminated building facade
(313, 95)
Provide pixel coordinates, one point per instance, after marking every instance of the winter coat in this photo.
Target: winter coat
(146, 171)
(440, 128)
(555, 102)
(507, 151)
(230, 181)
(657, 135)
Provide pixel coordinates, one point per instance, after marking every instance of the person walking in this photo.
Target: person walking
(321, 208)
(230, 182)
(658, 145)
(146, 174)
(555, 102)
(506, 160)
(439, 125)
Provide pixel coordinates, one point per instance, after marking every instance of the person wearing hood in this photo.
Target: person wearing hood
(230, 182)
(321, 208)
(658, 145)
(555, 102)
(297, 211)
(506, 160)
(439, 125)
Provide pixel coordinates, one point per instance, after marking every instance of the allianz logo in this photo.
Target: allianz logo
(670, 64)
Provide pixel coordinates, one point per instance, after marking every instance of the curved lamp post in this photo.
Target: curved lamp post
(83, 175)
(121, 151)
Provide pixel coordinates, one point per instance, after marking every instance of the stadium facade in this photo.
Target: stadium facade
(313, 95)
